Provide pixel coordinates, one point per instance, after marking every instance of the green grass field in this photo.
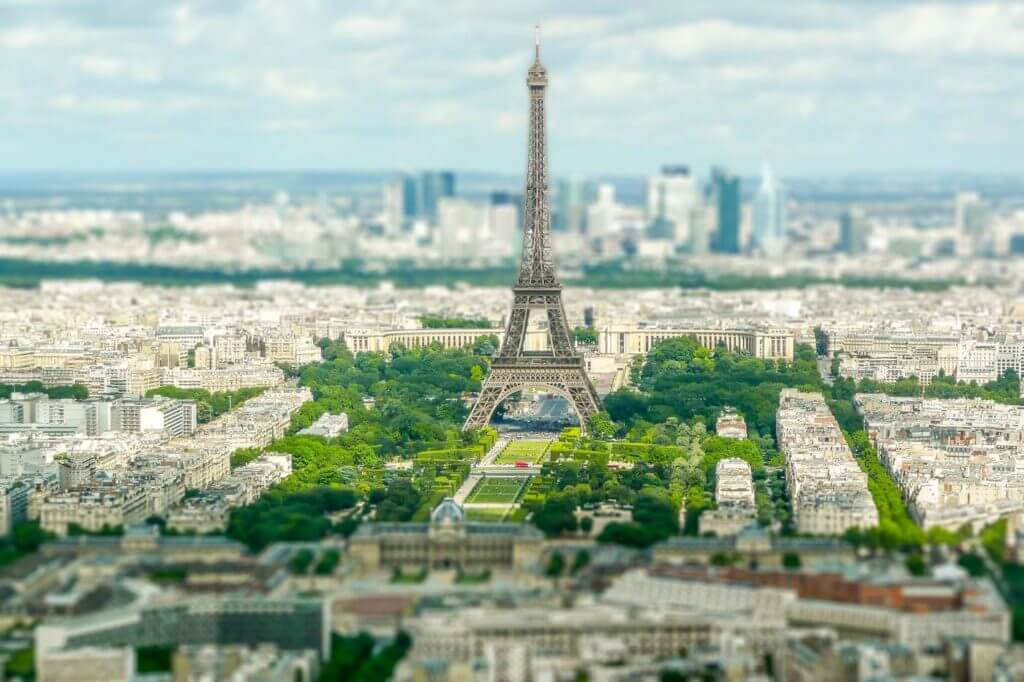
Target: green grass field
(523, 451)
(487, 514)
(498, 490)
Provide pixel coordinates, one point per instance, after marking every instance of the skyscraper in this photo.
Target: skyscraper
(970, 214)
(393, 215)
(725, 193)
(972, 222)
(854, 231)
(434, 186)
(461, 225)
(410, 196)
(770, 214)
(671, 200)
(571, 201)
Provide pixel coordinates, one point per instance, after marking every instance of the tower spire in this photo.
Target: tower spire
(536, 265)
(536, 42)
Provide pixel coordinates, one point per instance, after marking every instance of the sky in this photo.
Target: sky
(828, 87)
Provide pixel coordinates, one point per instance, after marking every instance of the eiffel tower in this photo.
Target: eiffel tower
(559, 369)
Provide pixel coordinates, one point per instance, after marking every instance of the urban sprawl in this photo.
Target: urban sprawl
(220, 459)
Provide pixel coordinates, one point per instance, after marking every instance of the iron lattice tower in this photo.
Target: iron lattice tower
(560, 368)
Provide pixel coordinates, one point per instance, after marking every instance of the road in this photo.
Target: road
(825, 369)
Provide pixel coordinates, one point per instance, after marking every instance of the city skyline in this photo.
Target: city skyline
(811, 87)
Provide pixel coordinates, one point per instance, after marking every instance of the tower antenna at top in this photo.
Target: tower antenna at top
(536, 41)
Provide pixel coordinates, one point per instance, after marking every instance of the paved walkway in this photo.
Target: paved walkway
(495, 450)
(509, 470)
(467, 487)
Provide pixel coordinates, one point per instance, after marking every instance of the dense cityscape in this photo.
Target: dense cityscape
(709, 421)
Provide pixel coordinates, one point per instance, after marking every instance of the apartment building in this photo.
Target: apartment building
(113, 506)
(175, 417)
(730, 424)
(14, 494)
(955, 461)
(291, 350)
(827, 489)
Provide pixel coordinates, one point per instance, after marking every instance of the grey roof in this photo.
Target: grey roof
(449, 511)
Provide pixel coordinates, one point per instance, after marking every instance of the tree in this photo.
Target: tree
(820, 341)
(791, 561)
(300, 562)
(654, 511)
(581, 559)
(585, 335)
(587, 524)
(724, 559)
(973, 563)
(29, 535)
(628, 534)
(555, 566)
(601, 426)
(556, 515)
(916, 565)
(327, 562)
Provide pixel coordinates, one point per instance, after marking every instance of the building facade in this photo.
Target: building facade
(448, 541)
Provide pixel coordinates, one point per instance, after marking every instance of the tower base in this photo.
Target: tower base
(564, 377)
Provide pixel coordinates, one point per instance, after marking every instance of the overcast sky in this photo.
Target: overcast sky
(814, 87)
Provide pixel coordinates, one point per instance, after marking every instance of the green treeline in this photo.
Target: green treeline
(76, 391)
(435, 322)
(585, 335)
(408, 274)
(209, 406)
(1005, 389)
(357, 658)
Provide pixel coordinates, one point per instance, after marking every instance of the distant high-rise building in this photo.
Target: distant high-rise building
(972, 221)
(671, 200)
(854, 230)
(1017, 244)
(503, 229)
(410, 196)
(725, 192)
(700, 219)
(770, 214)
(434, 186)
(460, 226)
(504, 197)
(571, 200)
(603, 214)
(971, 214)
(393, 215)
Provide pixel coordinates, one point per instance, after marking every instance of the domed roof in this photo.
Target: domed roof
(448, 512)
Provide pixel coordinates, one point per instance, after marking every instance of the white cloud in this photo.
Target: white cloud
(366, 27)
(112, 106)
(500, 66)
(509, 122)
(934, 29)
(440, 113)
(186, 26)
(28, 37)
(288, 87)
(720, 36)
(114, 68)
(573, 27)
(286, 125)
